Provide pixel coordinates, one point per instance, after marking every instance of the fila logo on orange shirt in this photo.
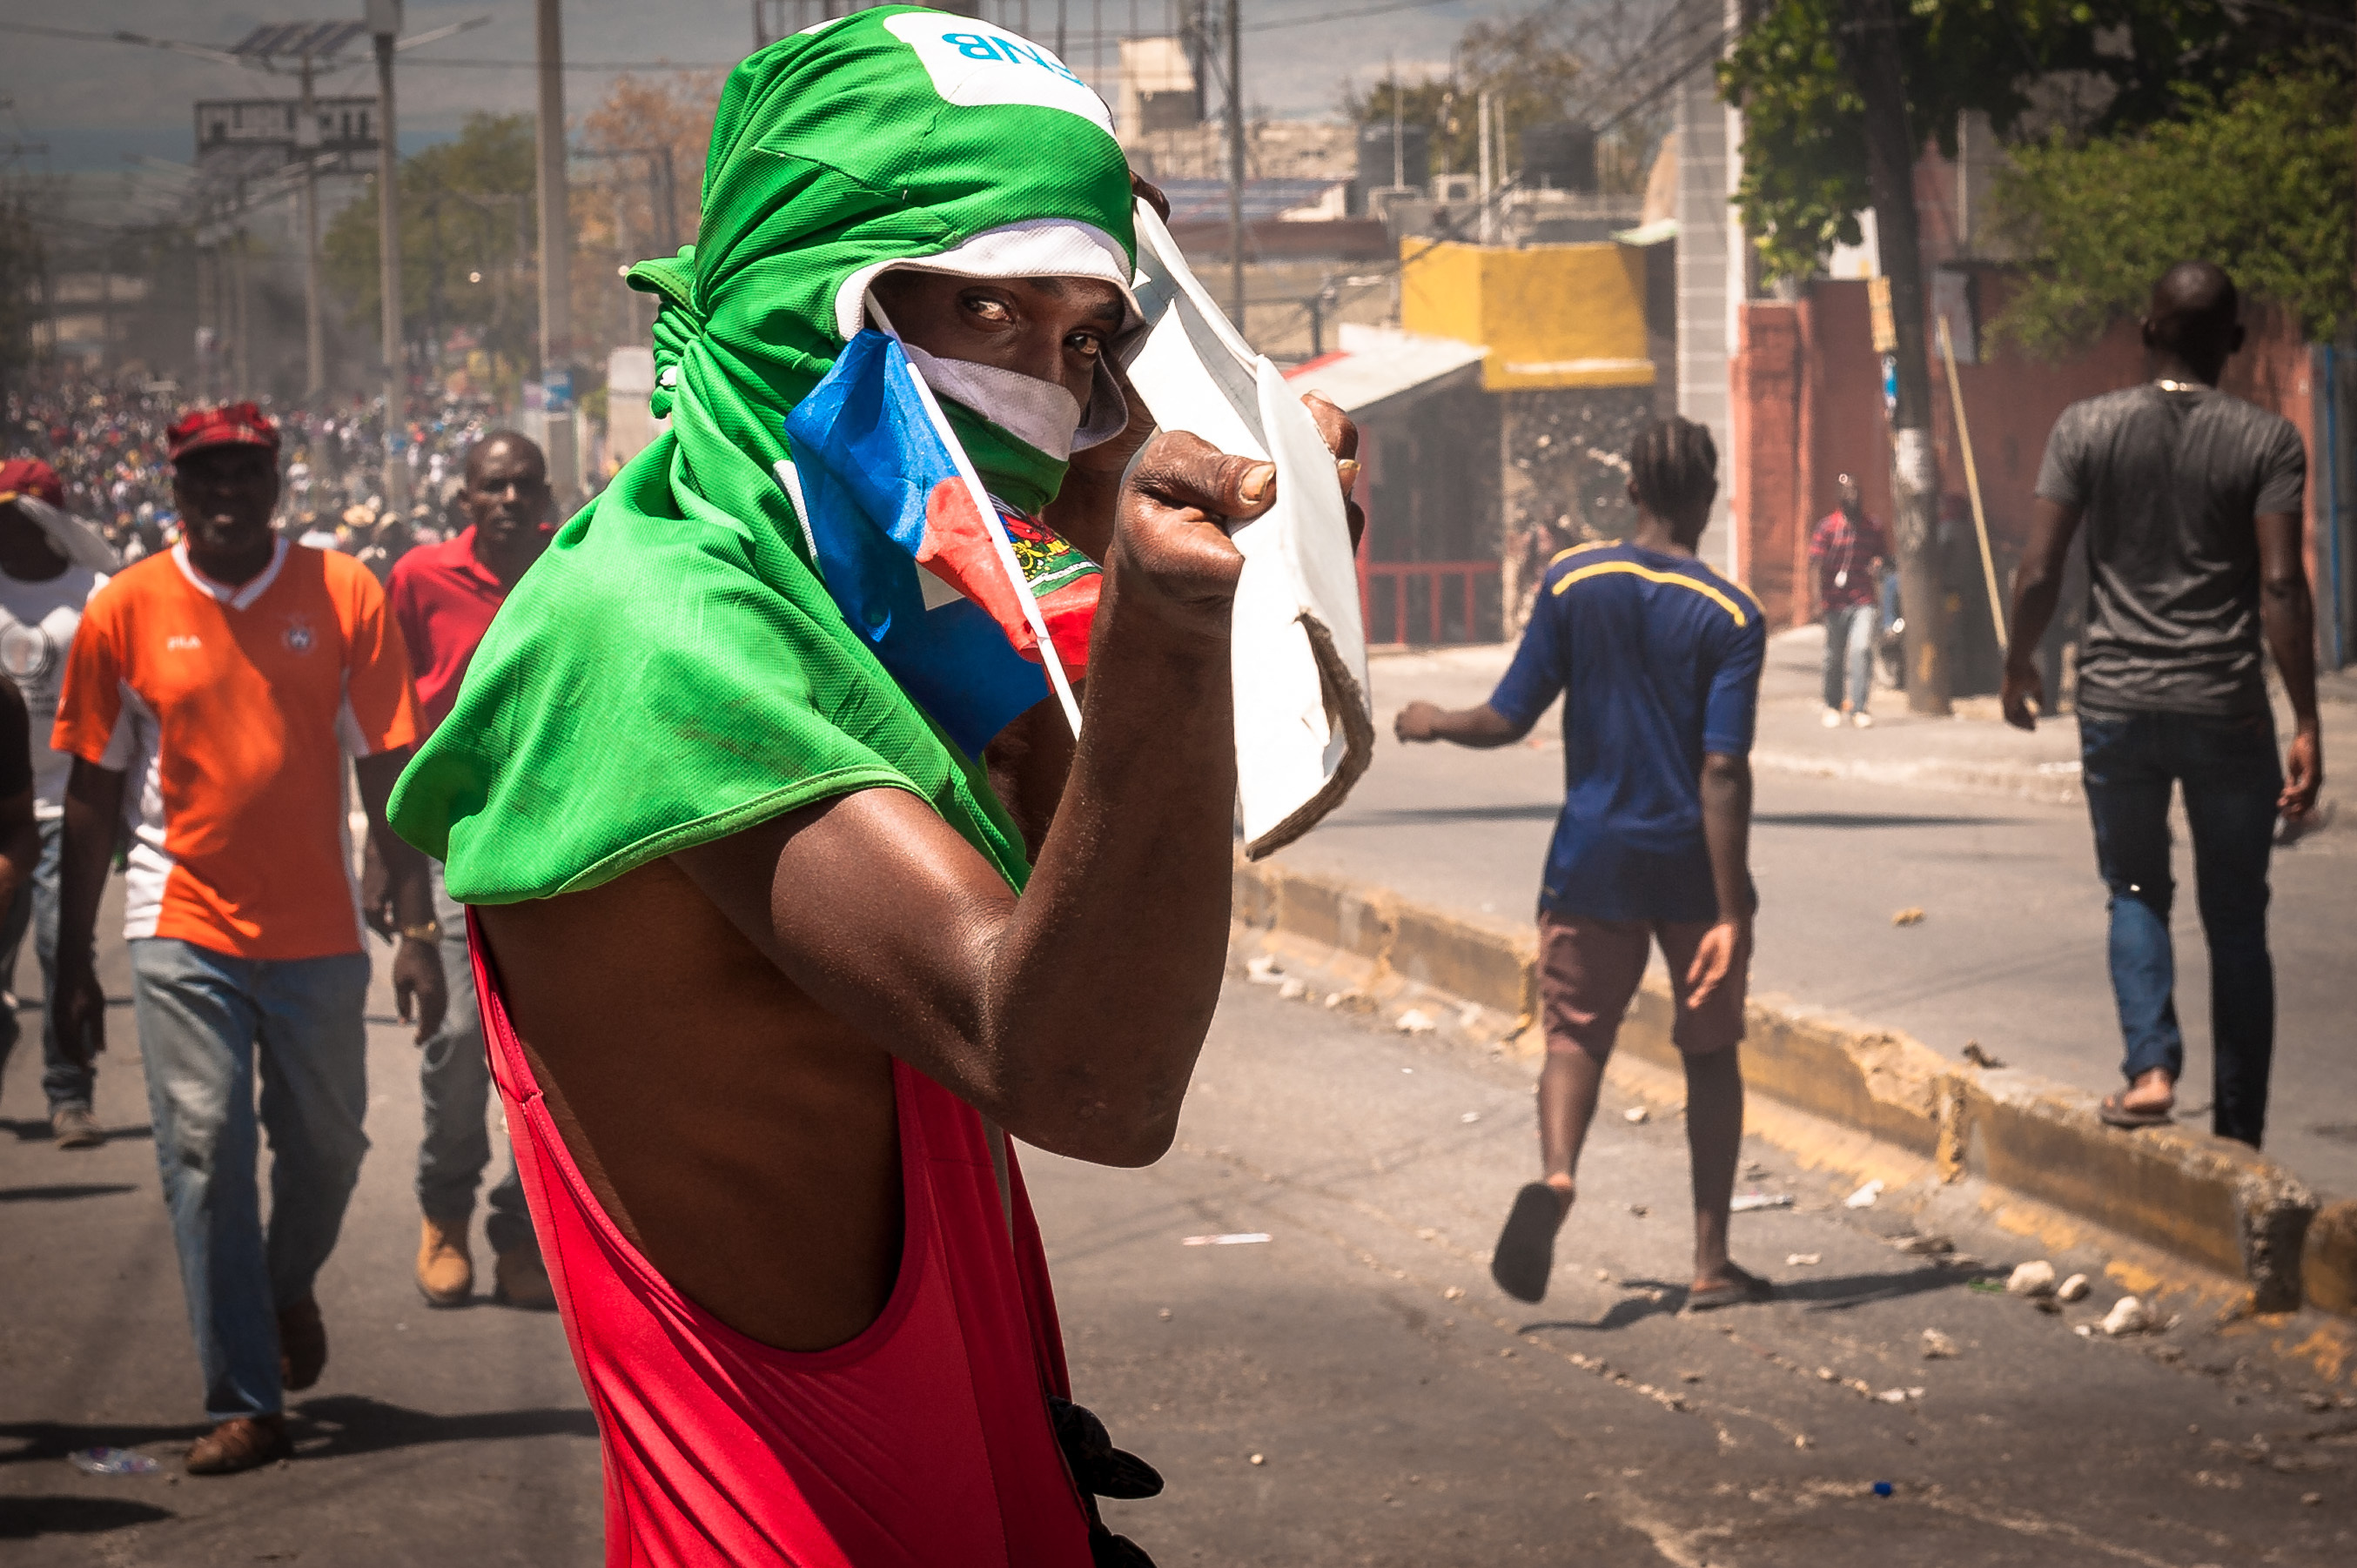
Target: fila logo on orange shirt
(182, 642)
(298, 635)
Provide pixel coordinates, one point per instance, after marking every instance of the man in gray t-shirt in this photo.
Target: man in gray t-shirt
(2191, 504)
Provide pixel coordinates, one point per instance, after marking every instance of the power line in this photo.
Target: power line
(1346, 16)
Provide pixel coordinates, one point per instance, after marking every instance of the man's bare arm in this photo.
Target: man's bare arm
(1726, 789)
(418, 983)
(2287, 614)
(94, 808)
(1071, 1015)
(1481, 727)
(2037, 587)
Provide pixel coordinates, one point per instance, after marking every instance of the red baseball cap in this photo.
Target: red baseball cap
(231, 425)
(30, 477)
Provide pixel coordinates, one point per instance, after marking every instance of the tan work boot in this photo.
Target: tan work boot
(446, 1275)
(76, 1128)
(520, 1279)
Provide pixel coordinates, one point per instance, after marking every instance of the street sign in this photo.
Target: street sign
(1877, 301)
(556, 390)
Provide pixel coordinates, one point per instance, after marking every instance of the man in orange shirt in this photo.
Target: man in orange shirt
(212, 696)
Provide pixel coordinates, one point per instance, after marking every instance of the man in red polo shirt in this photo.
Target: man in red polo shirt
(444, 597)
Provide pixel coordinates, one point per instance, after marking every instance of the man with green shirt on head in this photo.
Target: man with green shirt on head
(767, 961)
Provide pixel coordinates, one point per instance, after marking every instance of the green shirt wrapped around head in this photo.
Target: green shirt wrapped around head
(672, 671)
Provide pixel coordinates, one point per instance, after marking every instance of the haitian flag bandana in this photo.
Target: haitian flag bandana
(676, 667)
(890, 502)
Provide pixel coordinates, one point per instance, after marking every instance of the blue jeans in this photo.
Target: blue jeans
(202, 1014)
(67, 1083)
(454, 1085)
(1849, 650)
(2231, 777)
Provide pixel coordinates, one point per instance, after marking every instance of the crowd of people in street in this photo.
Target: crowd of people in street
(191, 714)
(210, 623)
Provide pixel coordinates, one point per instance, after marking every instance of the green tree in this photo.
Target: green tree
(468, 233)
(1532, 76)
(20, 283)
(2257, 180)
(2132, 60)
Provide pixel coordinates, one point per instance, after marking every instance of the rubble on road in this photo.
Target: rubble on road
(2032, 1279)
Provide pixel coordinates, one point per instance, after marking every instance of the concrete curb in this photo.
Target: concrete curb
(2051, 783)
(2199, 1199)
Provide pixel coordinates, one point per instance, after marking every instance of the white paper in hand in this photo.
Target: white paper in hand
(1305, 729)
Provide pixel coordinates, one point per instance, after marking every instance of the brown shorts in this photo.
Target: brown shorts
(1588, 972)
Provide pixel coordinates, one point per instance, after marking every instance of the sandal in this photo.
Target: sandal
(1742, 1290)
(2115, 1111)
(1524, 1255)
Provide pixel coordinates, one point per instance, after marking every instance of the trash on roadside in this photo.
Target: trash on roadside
(1979, 1057)
(1926, 1246)
(1417, 1021)
(1232, 1239)
(1263, 970)
(1986, 1287)
(1639, 1210)
(1938, 1346)
(2031, 1279)
(1882, 1488)
(1454, 1293)
(2076, 1288)
(1802, 1260)
(1292, 991)
(112, 1462)
(1635, 1114)
(1864, 1197)
(1893, 1396)
(1911, 916)
(2128, 1316)
(2083, 1330)
(1260, 1459)
(1470, 1117)
(1746, 1202)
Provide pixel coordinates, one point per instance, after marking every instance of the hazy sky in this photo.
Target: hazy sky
(92, 102)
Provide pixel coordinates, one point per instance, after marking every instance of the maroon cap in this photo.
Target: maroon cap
(231, 425)
(30, 477)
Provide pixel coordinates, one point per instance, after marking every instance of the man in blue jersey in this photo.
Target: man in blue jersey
(1658, 661)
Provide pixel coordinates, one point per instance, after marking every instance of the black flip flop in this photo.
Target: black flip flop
(2113, 1112)
(1741, 1291)
(1525, 1251)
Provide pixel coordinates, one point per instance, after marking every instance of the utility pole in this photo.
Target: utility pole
(556, 254)
(1890, 177)
(306, 147)
(1236, 165)
(384, 23)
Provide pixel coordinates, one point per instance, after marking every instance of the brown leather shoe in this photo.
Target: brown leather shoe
(302, 1343)
(520, 1279)
(243, 1443)
(446, 1275)
(76, 1128)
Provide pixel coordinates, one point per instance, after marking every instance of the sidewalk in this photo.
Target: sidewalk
(1974, 824)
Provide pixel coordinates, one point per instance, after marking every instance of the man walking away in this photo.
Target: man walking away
(1658, 659)
(444, 597)
(49, 566)
(2191, 501)
(1848, 550)
(227, 677)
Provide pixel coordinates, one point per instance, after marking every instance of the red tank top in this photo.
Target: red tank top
(925, 1441)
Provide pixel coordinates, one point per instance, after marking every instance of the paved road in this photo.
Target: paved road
(1398, 1422)
(2012, 948)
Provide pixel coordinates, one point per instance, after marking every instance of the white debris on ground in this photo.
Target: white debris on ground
(1417, 1021)
(1747, 1202)
(1635, 1114)
(1292, 991)
(1864, 1197)
(2032, 1279)
(1261, 971)
(2076, 1288)
(1939, 1347)
(1802, 1260)
(2128, 1316)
